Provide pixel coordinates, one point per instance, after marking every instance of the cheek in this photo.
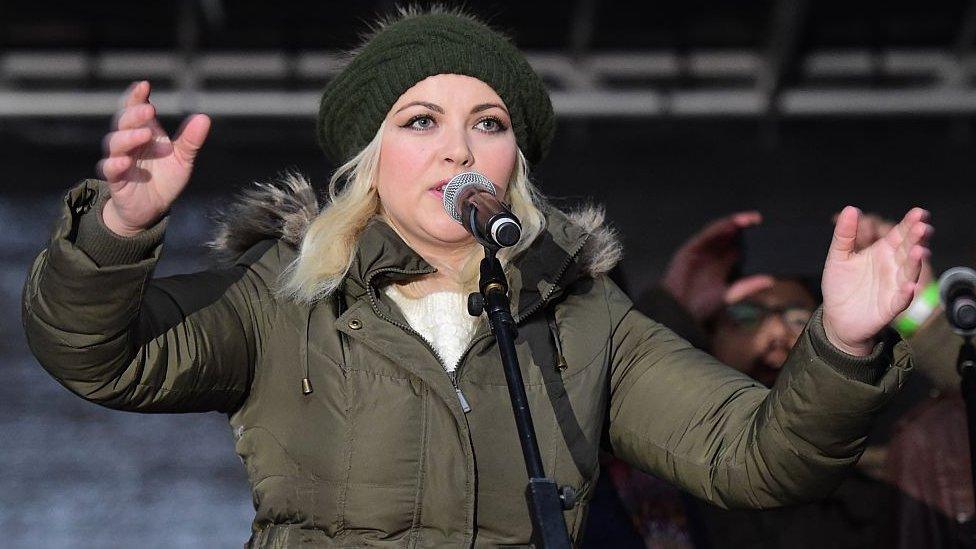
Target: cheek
(401, 162)
(497, 162)
(733, 348)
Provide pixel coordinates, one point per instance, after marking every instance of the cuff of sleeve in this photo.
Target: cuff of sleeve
(105, 247)
(866, 369)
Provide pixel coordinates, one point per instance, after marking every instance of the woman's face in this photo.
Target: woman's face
(442, 126)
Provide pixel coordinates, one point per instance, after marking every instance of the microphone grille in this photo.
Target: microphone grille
(952, 277)
(459, 183)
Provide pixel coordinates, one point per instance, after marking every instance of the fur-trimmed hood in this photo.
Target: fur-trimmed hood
(285, 208)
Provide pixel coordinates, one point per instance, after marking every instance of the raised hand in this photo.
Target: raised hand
(146, 170)
(697, 276)
(865, 289)
(871, 227)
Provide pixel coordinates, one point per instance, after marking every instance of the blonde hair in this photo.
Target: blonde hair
(329, 246)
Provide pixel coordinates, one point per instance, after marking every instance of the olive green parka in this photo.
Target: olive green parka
(381, 452)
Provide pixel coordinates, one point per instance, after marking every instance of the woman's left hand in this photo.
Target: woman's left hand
(865, 290)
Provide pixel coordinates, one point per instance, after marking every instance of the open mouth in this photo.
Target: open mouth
(438, 189)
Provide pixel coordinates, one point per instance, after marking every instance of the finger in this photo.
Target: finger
(137, 93)
(190, 137)
(746, 218)
(124, 141)
(900, 231)
(909, 276)
(724, 229)
(136, 116)
(911, 262)
(918, 235)
(745, 287)
(112, 169)
(845, 233)
(867, 232)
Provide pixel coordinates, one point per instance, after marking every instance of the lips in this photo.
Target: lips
(438, 189)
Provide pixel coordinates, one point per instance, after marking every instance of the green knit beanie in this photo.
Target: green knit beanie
(402, 53)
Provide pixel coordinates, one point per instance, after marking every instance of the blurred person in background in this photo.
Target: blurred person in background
(912, 487)
(752, 322)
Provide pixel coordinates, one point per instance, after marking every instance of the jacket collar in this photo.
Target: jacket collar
(574, 244)
(551, 263)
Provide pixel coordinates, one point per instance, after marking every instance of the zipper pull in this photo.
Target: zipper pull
(554, 333)
(561, 364)
(464, 402)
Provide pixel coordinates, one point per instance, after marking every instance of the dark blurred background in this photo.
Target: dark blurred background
(670, 113)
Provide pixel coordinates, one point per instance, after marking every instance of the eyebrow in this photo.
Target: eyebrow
(437, 108)
(486, 106)
(430, 106)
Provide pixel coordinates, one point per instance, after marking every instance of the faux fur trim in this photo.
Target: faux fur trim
(284, 209)
(281, 209)
(603, 249)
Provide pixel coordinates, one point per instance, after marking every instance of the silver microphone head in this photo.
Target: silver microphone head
(952, 277)
(957, 292)
(460, 183)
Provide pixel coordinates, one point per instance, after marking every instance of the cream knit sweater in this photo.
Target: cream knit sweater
(441, 318)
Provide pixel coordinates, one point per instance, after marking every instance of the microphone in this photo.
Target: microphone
(469, 198)
(957, 291)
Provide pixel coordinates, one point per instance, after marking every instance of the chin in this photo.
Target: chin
(447, 230)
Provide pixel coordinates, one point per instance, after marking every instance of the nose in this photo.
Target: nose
(775, 337)
(776, 329)
(457, 149)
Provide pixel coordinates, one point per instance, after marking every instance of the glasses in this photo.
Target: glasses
(750, 315)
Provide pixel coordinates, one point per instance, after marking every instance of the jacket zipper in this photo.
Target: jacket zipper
(454, 375)
(519, 318)
(462, 400)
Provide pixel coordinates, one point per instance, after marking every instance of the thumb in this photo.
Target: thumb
(845, 233)
(190, 137)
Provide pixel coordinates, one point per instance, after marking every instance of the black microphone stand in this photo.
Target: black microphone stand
(966, 366)
(546, 502)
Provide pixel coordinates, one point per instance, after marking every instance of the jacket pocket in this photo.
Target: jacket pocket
(386, 451)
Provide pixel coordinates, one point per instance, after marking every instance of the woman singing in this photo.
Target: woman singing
(368, 406)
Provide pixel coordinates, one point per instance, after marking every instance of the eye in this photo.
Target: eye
(797, 318)
(490, 124)
(745, 314)
(420, 122)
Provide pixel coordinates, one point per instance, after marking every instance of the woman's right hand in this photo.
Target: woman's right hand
(144, 168)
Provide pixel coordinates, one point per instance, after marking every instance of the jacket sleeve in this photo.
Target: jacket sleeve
(678, 413)
(97, 322)
(658, 303)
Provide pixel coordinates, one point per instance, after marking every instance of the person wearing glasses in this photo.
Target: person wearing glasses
(755, 335)
(750, 323)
